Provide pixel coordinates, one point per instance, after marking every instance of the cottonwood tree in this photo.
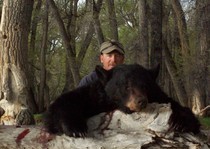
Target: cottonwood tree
(185, 47)
(200, 76)
(156, 32)
(43, 86)
(14, 31)
(169, 75)
(142, 53)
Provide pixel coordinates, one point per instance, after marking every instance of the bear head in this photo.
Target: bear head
(128, 86)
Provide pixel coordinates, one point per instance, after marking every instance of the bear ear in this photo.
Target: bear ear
(155, 71)
(103, 75)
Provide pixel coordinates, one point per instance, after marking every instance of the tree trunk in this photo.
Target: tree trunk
(182, 26)
(142, 53)
(69, 78)
(112, 20)
(200, 75)
(14, 31)
(43, 61)
(85, 44)
(178, 92)
(97, 24)
(34, 24)
(33, 50)
(185, 50)
(156, 32)
(172, 70)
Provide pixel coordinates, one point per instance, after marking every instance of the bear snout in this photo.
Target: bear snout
(136, 104)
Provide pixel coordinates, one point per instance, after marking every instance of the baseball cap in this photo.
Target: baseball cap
(109, 46)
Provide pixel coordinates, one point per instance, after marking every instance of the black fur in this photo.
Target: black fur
(126, 87)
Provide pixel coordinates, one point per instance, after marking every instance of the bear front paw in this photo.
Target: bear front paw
(75, 130)
(75, 134)
(183, 120)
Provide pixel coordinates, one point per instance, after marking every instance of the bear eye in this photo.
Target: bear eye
(128, 88)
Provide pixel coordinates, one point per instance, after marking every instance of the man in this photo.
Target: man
(112, 54)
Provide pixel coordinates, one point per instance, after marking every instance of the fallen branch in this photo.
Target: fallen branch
(204, 109)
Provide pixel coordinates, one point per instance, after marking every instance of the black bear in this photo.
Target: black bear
(125, 87)
(131, 87)
(68, 114)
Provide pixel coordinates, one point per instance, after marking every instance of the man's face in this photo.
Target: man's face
(111, 59)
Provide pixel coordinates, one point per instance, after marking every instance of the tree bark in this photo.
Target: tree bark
(172, 70)
(32, 50)
(156, 33)
(69, 85)
(97, 23)
(34, 24)
(185, 50)
(112, 20)
(200, 73)
(182, 26)
(14, 31)
(85, 44)
(142, 53)
(42, 87)
(171, 67)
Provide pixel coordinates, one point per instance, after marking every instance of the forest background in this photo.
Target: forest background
(47, 46)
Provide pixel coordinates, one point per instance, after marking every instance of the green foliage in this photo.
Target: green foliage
(91, 59)
(38, 119)
(205, 122)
